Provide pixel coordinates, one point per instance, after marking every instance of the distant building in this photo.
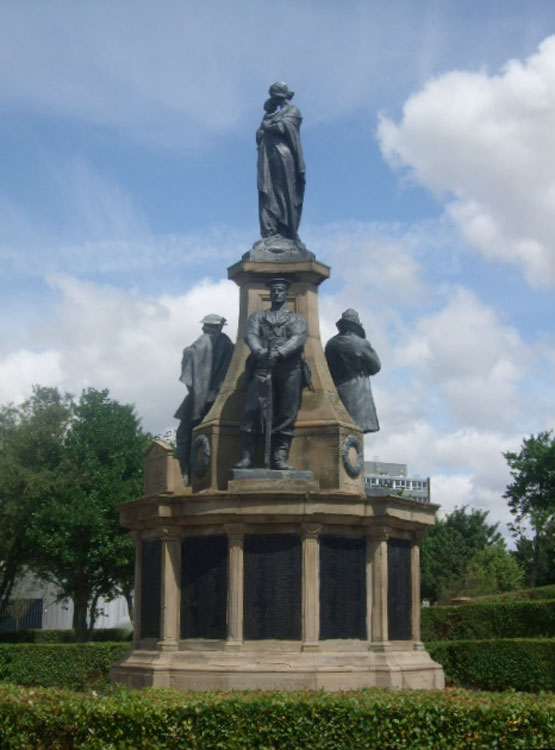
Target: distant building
(381, 476)
(35, 604)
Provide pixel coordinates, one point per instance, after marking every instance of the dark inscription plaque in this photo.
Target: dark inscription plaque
(272, 604)
(204, 576)
(399, 590)
(342, 587)
(151, 572)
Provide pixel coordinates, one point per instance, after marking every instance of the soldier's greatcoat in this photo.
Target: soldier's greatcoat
(352, 360)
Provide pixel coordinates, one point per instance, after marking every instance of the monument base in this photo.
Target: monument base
(287, 589)
(278, 248)
(263, 665)
(272, 480)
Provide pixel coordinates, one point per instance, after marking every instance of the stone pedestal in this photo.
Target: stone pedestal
(275, 579)
(262, 602)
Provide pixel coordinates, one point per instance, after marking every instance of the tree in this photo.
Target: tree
(443, 552)
(80, 545)
(492, 570)
(31, 447)
(531, 497)
(448, 547)
(472, 525)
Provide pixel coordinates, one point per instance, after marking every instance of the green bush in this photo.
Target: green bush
(540, 592)
(75, 666)
(519, 618)
(62, 636)
(521, 664)
(163, 719)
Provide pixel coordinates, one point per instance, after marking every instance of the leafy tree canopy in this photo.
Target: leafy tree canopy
(65, 464)
(80, 544)
(448, 547)
(531, 500)
(31, 453)
(492, 570)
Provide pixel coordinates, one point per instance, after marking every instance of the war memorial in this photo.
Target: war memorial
(261, 560)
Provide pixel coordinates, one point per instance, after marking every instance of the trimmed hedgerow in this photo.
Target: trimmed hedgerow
(76, 666)
(540, 592)
(62, 636)
(521, 664)
(163, 719)
(511, 619)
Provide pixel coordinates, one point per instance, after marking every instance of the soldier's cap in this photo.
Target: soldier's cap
(351, 316)
(279, 280)
(213, 320)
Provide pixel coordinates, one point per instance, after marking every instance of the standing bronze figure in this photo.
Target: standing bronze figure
(352, 360)
(203, 368)
(276, 374)
(281, 169)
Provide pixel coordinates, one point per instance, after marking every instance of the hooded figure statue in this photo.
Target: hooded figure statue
(352, 360)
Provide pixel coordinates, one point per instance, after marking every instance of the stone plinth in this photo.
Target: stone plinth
(283, 590)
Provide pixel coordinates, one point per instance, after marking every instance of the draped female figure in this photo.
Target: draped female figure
(281, 169)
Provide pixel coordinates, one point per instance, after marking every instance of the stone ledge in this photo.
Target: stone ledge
(272, 481)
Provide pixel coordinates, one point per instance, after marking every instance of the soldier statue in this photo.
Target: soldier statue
(276, 374)
(352, 360)
(203, 368)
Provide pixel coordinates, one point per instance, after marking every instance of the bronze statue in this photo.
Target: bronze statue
(352, 360)
(276, 374)
(203, 368)
(281, 170)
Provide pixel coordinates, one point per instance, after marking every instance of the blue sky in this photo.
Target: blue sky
(128, 186)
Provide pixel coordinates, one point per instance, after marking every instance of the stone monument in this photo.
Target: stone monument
(275, 568)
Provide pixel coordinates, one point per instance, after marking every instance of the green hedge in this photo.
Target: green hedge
(74, 666)
(519, 618)
(540, 592)
(521, 664)
(62, 636)
(163, 719)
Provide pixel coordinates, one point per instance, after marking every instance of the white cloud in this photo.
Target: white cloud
(105, 337)
(487, 142)
(174, 73)
(475, 360)
(466, 466)
(22, 369)
(167, 74)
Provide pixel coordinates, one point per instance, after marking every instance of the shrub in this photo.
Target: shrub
(66, 665)
(163, 719)
(540, 592)
(521, 664)
(62, 636)
(508, 619)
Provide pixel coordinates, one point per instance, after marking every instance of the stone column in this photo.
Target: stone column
(377, 542)
(415, 589)
(369, 588)
(170, 592)
(311, 586)
(137, 538)
(235, 534)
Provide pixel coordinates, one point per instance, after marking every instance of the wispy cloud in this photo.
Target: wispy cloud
(170, 74)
